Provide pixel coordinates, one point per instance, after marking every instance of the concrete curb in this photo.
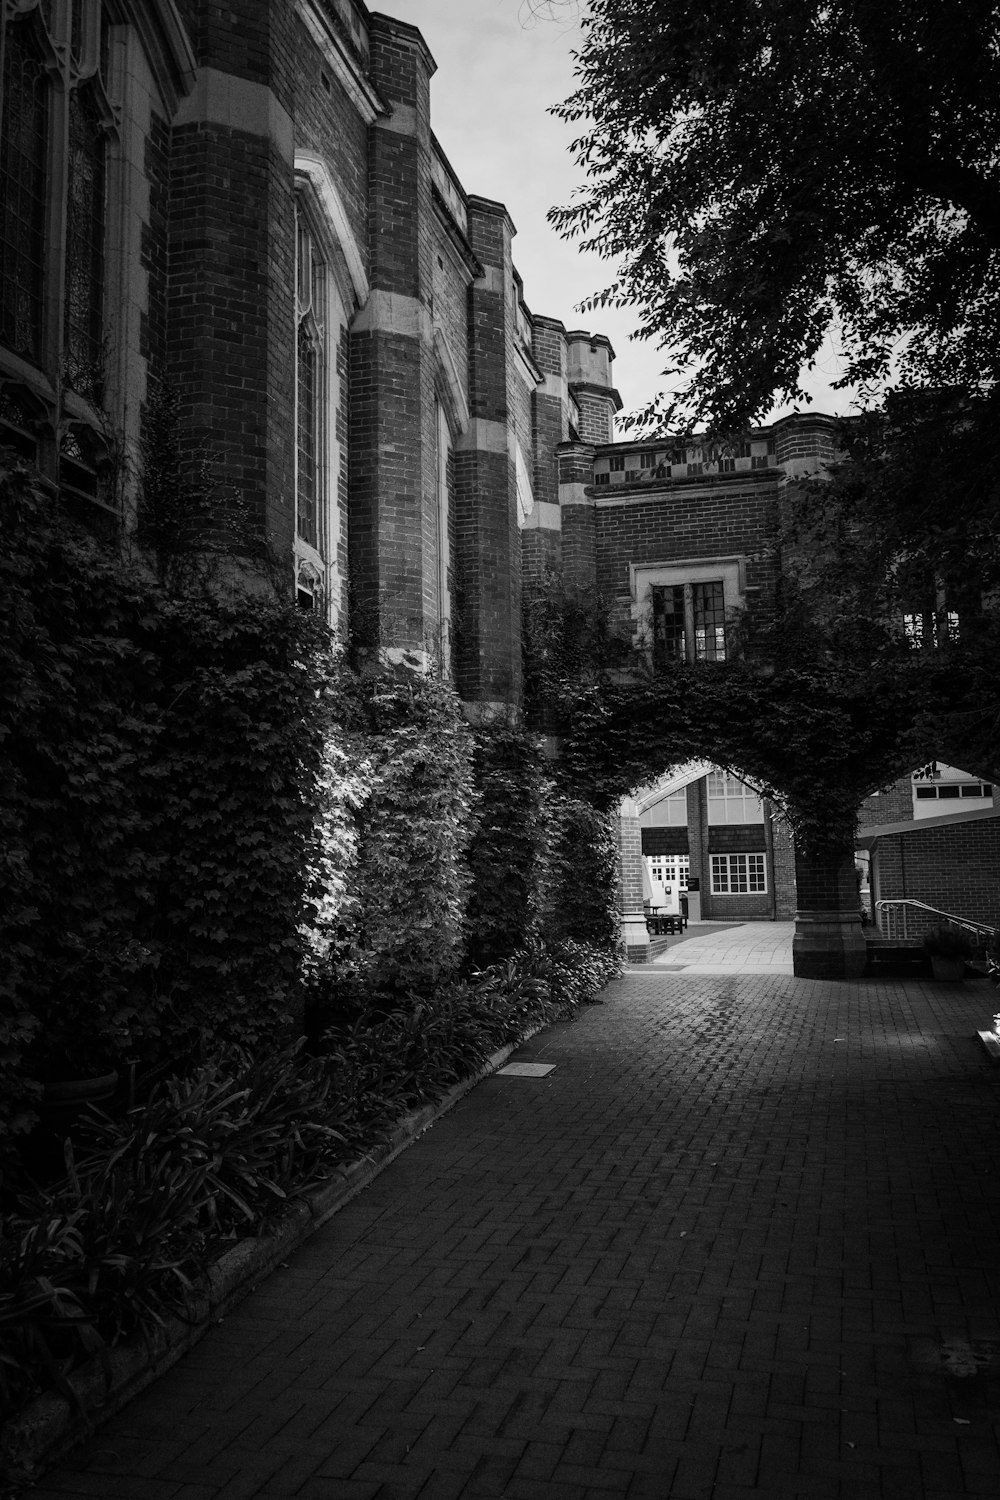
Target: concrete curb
(50, 1426)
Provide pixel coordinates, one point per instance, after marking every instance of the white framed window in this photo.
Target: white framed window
(616, 463)
(739, 874)
(320, 320)
(671, 869)
(732, 801)
(947, 789)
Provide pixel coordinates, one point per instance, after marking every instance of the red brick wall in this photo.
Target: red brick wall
(231, 316)
(955, 869)
(488, 540)
(895, 805)
(785, 893)
(329, 125)
(716, 519)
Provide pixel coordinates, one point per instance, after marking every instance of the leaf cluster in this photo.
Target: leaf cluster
(771, 173)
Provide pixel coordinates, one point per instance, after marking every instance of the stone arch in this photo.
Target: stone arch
(315, 171)
(449, 388)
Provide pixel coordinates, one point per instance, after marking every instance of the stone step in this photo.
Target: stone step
(897, 958)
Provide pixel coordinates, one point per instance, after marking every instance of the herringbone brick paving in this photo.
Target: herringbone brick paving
(743, 1241)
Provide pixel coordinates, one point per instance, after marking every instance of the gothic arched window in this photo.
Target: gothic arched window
(57, 122)
(84, 295)
(24, 145)
(310, 382)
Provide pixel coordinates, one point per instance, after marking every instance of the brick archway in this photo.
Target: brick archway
(813, 755)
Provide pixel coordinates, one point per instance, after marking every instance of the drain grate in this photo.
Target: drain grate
(526, 1070)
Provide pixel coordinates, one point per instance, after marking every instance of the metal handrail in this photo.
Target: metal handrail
(901, 903)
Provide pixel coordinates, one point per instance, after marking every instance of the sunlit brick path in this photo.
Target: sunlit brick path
(743, 1241)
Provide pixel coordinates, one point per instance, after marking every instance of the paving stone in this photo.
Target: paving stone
(711, 1251)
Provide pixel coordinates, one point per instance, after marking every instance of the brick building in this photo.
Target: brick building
(679, 536)
(248, 207)
(933, 837)
(245, 208)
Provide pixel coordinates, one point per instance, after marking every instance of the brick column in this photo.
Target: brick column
(697, 822)
(488, 541)
(589, 358)
(630, 899)
(829, 942)
(392, 494)
(230, 314)
(578, 512)
(541, 539)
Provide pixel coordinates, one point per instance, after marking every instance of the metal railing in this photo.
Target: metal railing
(904, 918)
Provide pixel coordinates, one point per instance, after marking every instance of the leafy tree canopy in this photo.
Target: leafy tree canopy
(768, 171)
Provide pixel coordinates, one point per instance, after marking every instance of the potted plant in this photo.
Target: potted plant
(948, 947)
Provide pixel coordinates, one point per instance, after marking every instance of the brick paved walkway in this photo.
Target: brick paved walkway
(743, 1241)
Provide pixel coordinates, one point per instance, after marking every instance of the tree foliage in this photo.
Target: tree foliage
(892, 572)
(769, 171)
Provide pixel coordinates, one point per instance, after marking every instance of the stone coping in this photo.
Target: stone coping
(50, 1426)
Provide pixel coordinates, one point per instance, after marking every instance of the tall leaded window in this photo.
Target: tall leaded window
(57, 125)
(709, 610)
(84, 296)
(24, 146)
(310, 384)
(668, 623)
(689, 622)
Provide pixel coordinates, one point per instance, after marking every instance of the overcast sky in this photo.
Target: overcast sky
(499, 67)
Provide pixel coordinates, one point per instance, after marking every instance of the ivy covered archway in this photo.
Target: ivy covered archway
(814, 748)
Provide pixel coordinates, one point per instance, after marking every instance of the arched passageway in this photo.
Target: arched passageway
(808, 756)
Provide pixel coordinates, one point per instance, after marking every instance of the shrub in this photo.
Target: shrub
(948, 941)
(507, 853)
(411, 879)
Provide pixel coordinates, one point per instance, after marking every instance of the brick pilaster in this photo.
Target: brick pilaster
(630, 886)
(230, 350)
(829, 942)
(393, 523)
(488, 541)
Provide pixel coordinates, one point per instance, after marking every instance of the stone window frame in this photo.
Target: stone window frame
(730, 570)
(317, 573)
(39, 411)
(65, 431)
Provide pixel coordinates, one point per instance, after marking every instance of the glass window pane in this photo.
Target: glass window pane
(23, 193)
(85, 246)
(306, 437)
(709, 621)
(311, 357)
(668, 623)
